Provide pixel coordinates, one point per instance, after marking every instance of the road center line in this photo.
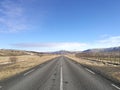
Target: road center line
(115, 86)
(29, 72)
(90, 71)
(61, 78)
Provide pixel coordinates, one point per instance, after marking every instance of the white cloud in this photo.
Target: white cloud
(53, 46)
(12, 19)
(71, 46)
(111, 41)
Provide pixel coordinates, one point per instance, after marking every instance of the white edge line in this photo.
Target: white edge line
(115, 86)
(0, 86)
(90, 71)
(29, 72)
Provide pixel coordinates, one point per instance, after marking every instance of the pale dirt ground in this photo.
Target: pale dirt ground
(25, 62)
(107, 69)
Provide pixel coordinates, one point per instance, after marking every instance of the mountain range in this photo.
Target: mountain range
(112, 49)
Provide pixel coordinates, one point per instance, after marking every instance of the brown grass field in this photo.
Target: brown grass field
(25, 62)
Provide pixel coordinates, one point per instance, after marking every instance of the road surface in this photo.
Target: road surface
(59, 74)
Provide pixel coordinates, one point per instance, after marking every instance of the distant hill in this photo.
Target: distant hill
(64, 52)
(100, 52)
(11, 52)
(112, 49)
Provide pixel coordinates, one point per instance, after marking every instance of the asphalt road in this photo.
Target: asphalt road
(58, 74)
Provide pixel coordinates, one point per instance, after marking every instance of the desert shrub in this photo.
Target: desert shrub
(13, 59)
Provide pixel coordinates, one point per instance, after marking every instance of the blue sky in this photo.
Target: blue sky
(51, 25)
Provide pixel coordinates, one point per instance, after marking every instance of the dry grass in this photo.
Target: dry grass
(23, 63)
(83, 61)
(4, 59)
(110, 70)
